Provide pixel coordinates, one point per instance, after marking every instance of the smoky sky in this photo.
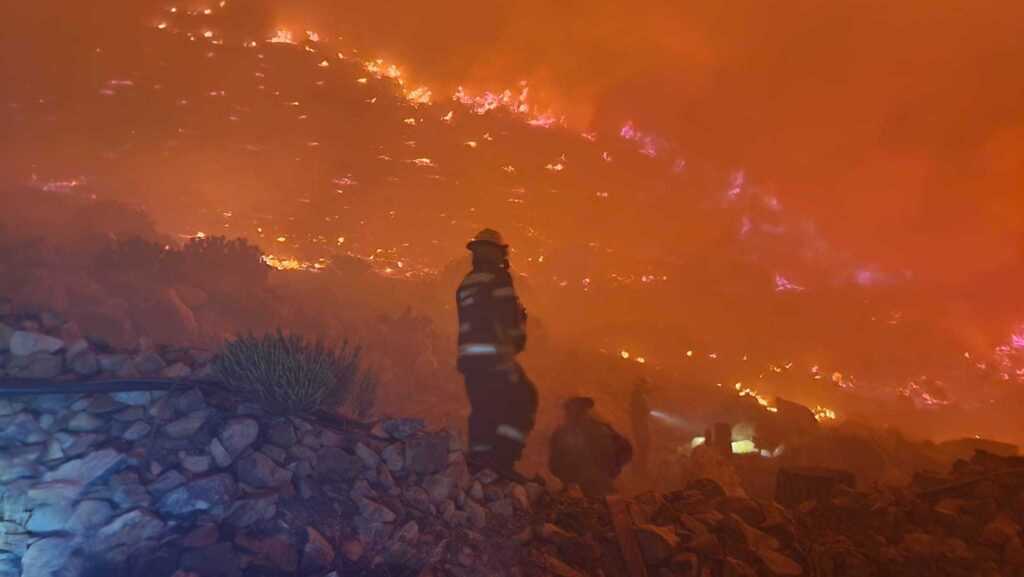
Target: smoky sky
(875, 141)
(897, 127)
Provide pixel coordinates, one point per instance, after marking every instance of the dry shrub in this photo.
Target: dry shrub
(289, 374)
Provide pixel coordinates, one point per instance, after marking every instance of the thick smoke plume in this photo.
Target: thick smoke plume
(836, 167)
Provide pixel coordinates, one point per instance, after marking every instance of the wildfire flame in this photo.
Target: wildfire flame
(292, 264)
(282, 37)
(824, 414)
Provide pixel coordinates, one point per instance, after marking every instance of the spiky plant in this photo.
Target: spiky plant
(289, 374)
(364, 398)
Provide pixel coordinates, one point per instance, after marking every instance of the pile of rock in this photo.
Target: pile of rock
(47, 347)
(965, 523)
(197, 482)
(696, 532)
(153, 483)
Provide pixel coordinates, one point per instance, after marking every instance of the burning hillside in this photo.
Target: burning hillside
(219, 121)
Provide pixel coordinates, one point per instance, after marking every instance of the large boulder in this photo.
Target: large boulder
(23, 428)
(427, 454)
(166, 483)
(282, 434)
(337, 463)
(238, 434)
(317, 554)
(259, 471)
(90, 514)
(19, 463)
(130, 531)
(24, 343)
(401, 429)
(657, 544)
(777, 564)
(186, 426)
(89, 468)
(276, 550)
(48, 558)
(374, 512)
(84, 364)
(49, 519)
(36, 366)
(213, 495)
(251, 511)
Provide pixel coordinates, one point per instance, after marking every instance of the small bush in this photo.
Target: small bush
(216, 257)
(133, 257)
(364, 398)
(289, 374)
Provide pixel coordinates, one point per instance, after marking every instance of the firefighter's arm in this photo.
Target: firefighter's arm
(511, 316)
(623, 450)
(557, 457)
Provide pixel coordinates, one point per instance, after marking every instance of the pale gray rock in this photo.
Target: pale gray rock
(213, 495)
(89, 468)
(238, 434)
(259, 471)
(23, 343)
(186, 426)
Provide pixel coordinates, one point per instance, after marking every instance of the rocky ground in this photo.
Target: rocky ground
(194, 481)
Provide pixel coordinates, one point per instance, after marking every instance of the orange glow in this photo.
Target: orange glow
(850, 240)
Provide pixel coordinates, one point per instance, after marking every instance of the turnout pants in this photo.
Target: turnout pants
(503, 408)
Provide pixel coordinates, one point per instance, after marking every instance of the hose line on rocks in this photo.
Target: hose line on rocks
(13, 387)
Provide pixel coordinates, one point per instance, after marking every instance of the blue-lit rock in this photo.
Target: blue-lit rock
(213, 495)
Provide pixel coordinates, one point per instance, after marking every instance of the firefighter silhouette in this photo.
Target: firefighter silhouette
(587, 451)
(492, 331)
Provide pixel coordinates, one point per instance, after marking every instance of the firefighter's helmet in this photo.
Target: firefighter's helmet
(487, 236)
(578, 405)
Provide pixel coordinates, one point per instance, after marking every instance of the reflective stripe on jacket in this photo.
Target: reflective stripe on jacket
(491, 319)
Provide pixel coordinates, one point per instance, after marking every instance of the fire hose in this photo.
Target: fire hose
(12, 387)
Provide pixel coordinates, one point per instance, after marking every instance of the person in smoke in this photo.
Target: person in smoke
(492, 331)
(587, 451)
(639, 412)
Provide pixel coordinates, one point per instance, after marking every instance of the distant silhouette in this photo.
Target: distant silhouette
(639, 412)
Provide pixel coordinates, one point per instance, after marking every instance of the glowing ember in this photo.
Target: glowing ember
(782, 284)
(291, 264)
(1017, 340)
(648, 143)
(63, 185)
(282, 37)
(420, 95)
(824, 414)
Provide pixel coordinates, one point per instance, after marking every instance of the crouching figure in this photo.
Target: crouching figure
(587, 451)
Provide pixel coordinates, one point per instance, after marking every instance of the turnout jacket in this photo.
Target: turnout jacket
(588, 451)
(492, 321)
